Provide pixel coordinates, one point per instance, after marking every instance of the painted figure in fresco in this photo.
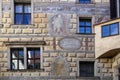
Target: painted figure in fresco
(57, 24)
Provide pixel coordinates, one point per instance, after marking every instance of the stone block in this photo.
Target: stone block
(73, 20)
(46, 64)
(90, 55)
(48, 38)
(4, 20)
(42, 15)
(37, 20)
(26, 74)
(74, 69)
(46, 55)
(44, 20)
(37, 31)
(81, 55)
(72, 54)
(44, 74)
(27, 31)
(9, 20)
(47, 69)
(35, 74)
(42, 25)
(74, 15)
(74, 59)
(35, 15)
(14, 39)
(73, 64)
(25, 39)
(48, 59)
(47, 48)
(7, 25)
(3, 39)
(44, 31)
(108, 65)
(69, 59)
(6, 15)
(37, 39)
(53, 54)
(3, 31)
(10, 31)
(1, 55)
(103, 60)
(73, 74)
(18, 31)
(104, 70)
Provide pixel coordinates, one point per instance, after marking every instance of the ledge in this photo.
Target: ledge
(25, 43)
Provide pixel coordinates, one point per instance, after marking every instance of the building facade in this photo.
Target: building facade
(56, 40)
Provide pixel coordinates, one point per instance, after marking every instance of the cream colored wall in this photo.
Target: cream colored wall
(107, 43)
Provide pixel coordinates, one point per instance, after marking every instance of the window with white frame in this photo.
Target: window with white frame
(25, 58)
(85, 26)
(22, 13)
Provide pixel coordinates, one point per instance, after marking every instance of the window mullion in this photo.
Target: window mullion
(25, 57)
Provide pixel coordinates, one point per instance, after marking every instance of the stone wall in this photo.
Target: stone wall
(58, 47)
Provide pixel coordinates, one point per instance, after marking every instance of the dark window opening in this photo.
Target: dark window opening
(113, 9)
(86, 69)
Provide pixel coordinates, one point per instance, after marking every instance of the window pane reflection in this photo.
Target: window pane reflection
(17, 58)
(33, 58)
(18, 9)
(27, 9)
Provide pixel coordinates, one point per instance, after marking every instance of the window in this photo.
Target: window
(22, 13)
(85, 26)
(84, 1)
(86, 69)
(19, 59)
(113, 9)
(110, 30)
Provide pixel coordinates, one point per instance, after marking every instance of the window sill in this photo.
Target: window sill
(86, 33)
(28, 70)
(22, 25)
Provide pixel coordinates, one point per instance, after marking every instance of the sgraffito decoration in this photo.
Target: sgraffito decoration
(58, 25)
(59, 67)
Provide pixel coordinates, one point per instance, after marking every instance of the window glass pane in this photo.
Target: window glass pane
(18, 18)
(37, 53)
(105, 31)
(14, 54)
(30, 64)
(27, 18)
(88, 30)
(18, 8)
(37, 63)
(82, 23)
(84, 1)
(21, 64)
(82, 30)
(88, 23)
(114, 29)
(30, 54)
(33, 58)
(21, 54)
(14, 64)
(27, 9)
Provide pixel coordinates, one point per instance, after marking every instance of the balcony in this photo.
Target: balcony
(107, 39)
